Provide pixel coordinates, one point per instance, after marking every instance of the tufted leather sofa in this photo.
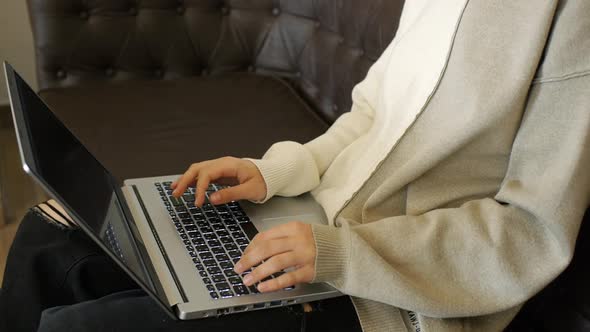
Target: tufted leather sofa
(202, 71)
(153, 85)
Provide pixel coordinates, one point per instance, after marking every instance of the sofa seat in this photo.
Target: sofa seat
(150, 128)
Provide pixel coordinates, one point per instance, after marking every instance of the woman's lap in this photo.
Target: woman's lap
(67, 278)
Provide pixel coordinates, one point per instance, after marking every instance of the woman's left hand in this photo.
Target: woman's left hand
(282, 247)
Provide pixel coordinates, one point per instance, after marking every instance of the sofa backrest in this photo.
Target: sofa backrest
(322, 47)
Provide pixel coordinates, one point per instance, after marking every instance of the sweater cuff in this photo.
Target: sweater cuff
(332, 254)
(276, 173)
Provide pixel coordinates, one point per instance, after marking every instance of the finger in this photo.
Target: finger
(281, 231)
(187, 179)
(262, 251)
(272, 265)
(201, 187)
(243, 191)
(289, 279)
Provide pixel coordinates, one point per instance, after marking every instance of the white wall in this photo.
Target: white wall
(16, 43)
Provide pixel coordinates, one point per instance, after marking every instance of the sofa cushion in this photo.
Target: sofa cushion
(150, 128)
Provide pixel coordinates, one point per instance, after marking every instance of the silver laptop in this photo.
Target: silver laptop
(183, 256)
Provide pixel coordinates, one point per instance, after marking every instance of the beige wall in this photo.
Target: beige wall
(16, 43)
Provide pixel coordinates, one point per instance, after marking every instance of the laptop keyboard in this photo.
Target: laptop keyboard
(215, 236)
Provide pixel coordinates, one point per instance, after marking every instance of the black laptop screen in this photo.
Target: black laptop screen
(75, 178)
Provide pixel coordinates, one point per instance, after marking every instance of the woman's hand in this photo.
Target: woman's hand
(286, 246)
(243, 174)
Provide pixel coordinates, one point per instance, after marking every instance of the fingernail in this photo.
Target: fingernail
(175, 192)
(262, 287)
(248, 280)
(238, 267)
(215, 197)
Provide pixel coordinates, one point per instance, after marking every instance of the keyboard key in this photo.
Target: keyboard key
(194, 210)
(242, 242)
(230, 273)
(238, 235)
(206, 229)
(210, 288)
(243, 248)
(207, 281)
(221, 258)
(186, 242)
(214, 295)
(230, 246)
(214, 270)
(200, 267)
(249, 229)
(226, 240)
(180, 208)
(253, 289)
(234, 254)
(220, 230)
(198, 242)
(234, 228)
(218, 278)
(209, 263)
(206, 255)
(175, 201)
(203, 274)
(191, 228)
(184, 236)
(217, 251)
(215, 221)
(241, 290)
(194, 235)
(187, 221)
(222, 286)
(189, 198)
(226, 294)
(202, 248)
(213, 243)
(235, 280)
(226, 265)
(184, 215)
(210, 236)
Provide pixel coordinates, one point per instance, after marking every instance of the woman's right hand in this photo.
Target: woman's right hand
(243, 175)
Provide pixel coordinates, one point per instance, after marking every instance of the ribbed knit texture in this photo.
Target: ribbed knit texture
(332, 255)
(376, 317)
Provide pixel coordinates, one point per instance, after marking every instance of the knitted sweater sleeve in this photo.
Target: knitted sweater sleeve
(489, 254)
(290, 168)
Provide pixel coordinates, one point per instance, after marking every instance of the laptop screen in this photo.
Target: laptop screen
(76, 179)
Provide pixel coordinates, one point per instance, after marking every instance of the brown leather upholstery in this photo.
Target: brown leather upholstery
(151, 128)
(324, 47)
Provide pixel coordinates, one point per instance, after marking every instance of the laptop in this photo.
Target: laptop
(181, 255)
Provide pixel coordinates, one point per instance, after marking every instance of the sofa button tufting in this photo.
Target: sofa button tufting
(61, 74)
(180, 10)
(84, 15)
(110, 72)
(132, 11)
(224, 11)
(276, 11)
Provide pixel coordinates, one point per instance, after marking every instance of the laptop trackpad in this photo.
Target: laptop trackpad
(268, 223)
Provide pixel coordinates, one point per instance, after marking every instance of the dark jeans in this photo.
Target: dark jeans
(58, 280)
